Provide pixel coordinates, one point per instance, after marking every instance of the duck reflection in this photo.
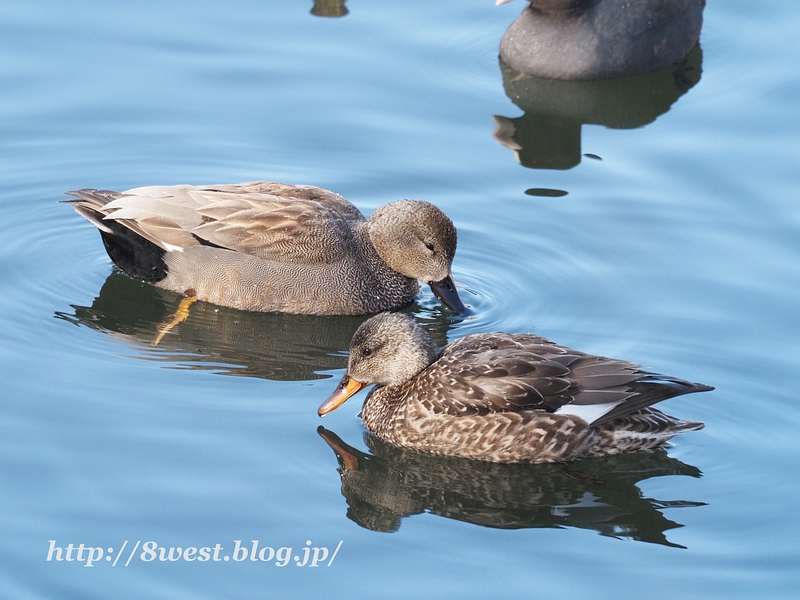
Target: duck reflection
(548, 135)
(600, 494)
(274, 346)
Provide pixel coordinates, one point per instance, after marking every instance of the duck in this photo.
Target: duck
(276, 247)
(504, 397)
(600, 39)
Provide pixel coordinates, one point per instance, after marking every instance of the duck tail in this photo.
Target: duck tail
(683, 426)
(133, 254)
(650, 389)
(646, 429)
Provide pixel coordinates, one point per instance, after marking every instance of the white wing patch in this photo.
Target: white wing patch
(588, 412)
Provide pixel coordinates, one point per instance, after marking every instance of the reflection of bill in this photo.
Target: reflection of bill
(600, 494)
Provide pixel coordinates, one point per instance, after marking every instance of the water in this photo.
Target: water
(677, 249)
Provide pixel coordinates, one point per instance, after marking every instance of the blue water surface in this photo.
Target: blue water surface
(662, 227)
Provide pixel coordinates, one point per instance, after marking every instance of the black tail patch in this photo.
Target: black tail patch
(136, 256)
(133, 254)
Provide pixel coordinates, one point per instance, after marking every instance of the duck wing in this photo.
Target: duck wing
(273, 221)
(606, 388)
(486, 373)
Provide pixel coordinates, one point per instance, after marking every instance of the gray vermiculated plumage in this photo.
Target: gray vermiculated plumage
(507, 397)
(268, 246)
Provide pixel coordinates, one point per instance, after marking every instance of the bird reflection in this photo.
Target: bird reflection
(548, 135)
(329, 8)
(274, 346)
(599, 494)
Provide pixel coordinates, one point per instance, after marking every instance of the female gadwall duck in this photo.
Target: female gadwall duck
(268, 246)
(504, 397)
(600, 39)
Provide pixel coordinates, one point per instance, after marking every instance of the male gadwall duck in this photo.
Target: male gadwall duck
(267, 246)
(600, 39)
(504, 397)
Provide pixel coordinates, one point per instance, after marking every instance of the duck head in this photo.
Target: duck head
(387, 349)
(418, 240)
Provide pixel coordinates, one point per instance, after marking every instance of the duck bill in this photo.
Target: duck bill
(346, 388)
(445, 290)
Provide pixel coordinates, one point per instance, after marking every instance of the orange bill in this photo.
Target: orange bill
(346, 388)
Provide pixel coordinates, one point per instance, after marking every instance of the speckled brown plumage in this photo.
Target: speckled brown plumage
(504, 397)
(276, 247)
